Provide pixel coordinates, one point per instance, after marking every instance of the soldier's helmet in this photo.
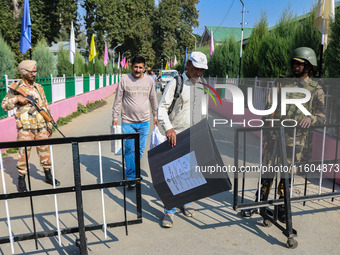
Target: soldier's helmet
(306, 54)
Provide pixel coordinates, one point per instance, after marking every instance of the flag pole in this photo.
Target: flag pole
(240, 65)
(321, 46)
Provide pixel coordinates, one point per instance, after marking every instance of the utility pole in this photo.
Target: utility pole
(193, 36)
(114, 53)
(243, 11)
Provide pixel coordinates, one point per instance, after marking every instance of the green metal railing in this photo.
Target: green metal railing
(96, 78)
(47, 84)
(86, 81)
(3, 113)
(70, 87)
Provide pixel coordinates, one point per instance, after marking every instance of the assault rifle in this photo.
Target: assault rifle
(34, 103)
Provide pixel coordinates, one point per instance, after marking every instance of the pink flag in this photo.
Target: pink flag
(212, 48)
(171, 63)
(122, 63)
(106, 55)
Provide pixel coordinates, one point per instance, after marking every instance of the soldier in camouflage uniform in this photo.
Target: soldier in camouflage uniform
(303, 63)
(30, 123)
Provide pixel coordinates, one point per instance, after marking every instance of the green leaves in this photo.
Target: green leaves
(269, 51)
(46, 62)
(225, 60)
(7, 62)
(332, 54)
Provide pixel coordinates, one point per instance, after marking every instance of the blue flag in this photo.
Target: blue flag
(25, 37)
(185, 57)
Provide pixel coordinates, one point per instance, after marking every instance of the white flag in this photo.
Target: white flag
(72, 45)
(175, 61)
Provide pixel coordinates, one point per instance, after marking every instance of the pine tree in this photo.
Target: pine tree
(7, 62)
(251, 52)
(79, 64)
(46, 62)
(332, 53)
(225, 59)
(63, 64)
(277, 46)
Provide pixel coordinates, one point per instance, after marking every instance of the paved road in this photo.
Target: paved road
(215, 229)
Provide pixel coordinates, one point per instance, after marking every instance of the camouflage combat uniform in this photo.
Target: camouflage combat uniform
(316, 106)
(30, 123)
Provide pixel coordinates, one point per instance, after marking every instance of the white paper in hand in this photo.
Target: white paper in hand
(156, 138)
(116, 145)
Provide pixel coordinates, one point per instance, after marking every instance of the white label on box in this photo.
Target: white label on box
(180, 174)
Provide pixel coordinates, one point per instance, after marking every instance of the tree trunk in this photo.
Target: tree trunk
(16, 12)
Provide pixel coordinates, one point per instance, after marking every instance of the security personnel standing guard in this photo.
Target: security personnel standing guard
(303, 64)
(30, 123)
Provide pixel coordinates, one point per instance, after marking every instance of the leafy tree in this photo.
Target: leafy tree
(332, 53)
(109, 68)
(275, 52)
(67, 11)
(10, 26)
(98, 68)
(46, 62)
(307, 35)
(331, 64)
(167, 21)
(173, 20)
(277, 46)
(138, 28)
(7, 62)
(225, 59)
(251, 52)
(79, 64)
(49, 19)
(107, 20)
(63, 63)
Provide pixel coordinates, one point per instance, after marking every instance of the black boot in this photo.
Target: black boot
(49, 179)
(21, 183)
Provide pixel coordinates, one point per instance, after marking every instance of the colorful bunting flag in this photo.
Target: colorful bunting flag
(123, 62)
(72, 45)
(93, 51)
(106, 55)
(175, 61)
(212, 48)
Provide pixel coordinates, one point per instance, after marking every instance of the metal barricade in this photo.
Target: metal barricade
(78, 188)
(278, 155)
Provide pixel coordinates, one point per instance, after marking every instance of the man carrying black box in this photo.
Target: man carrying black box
(188, 109)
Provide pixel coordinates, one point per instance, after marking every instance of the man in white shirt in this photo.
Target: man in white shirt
(189, 109)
